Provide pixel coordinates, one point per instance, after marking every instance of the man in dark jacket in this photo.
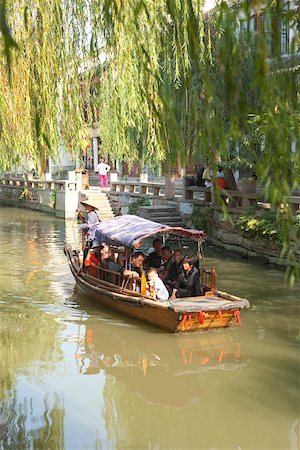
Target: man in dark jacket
(188, 283)
(155, 258)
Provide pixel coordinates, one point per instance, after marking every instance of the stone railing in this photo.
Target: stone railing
(58, 197)
(138, 189)
(236, 201)
(57, 185)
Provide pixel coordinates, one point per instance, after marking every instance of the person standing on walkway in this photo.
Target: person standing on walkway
(103, 168)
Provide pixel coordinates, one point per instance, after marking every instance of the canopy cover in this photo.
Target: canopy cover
(130, 231)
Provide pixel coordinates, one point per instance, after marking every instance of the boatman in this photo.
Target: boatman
(90, 219)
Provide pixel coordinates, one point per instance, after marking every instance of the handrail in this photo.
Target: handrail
(236, 200)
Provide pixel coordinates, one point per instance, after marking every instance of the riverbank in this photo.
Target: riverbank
(61, 199)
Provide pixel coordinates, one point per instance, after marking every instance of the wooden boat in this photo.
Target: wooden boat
(213, 309)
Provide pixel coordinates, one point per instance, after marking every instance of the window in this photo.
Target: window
(275, 28)
(284, 30)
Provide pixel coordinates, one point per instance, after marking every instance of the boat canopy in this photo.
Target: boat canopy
(130, 231)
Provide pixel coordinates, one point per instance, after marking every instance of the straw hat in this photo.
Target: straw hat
(88, 204)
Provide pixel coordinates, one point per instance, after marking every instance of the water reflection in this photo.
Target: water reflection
(47, 429)
(145, 363)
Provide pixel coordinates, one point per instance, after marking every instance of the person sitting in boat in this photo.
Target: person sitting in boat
(156, 287)
(112, 263)
(167, 259)
(136, 273)
(174, 270)
(188, 283)
(93, 259)
(154, 259)
(136, 266)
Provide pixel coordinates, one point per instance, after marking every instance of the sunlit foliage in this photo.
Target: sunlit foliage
(40, 92)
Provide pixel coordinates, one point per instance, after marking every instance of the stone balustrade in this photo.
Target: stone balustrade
(58, 197)
(236, 201)
(138, 189)
(57, 185)
(123, 193)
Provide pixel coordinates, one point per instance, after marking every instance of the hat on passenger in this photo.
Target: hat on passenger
(88, 204)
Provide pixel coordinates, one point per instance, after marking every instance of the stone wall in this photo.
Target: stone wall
(226, 236)
(39, 199)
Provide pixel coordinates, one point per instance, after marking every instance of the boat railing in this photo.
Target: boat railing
(106, 275)
(208, 278)
(116, 278)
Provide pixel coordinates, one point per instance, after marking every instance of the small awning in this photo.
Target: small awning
(130, 231)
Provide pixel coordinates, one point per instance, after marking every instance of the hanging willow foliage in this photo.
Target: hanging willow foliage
(175, 82)
(181, 83)
(40, 90)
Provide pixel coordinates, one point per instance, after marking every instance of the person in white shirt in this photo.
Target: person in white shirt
(156, 287)
(103, 169)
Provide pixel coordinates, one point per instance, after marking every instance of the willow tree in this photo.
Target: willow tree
(175, 82)
(189, 84)
(41, 103)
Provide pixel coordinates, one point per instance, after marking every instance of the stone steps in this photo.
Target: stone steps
(100, 200)
(165, 214)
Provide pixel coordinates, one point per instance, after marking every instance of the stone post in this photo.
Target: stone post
(95, 152)
(143, 177)
(170, 187)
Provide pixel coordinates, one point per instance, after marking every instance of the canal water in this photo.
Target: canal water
(77, 376)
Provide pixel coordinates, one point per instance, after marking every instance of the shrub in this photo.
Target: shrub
(265, 225)
(134, 207)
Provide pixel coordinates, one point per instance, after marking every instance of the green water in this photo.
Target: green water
(77, 376)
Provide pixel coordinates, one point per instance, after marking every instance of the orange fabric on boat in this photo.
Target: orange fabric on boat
(220, 315)
(201, 318)
(143, 283)
(236, 314)
(183, 322)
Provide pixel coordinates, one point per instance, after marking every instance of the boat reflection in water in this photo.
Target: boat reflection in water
(161, 368)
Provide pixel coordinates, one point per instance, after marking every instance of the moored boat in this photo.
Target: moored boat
(213, 309)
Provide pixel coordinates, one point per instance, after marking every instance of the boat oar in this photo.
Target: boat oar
(74, 234)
